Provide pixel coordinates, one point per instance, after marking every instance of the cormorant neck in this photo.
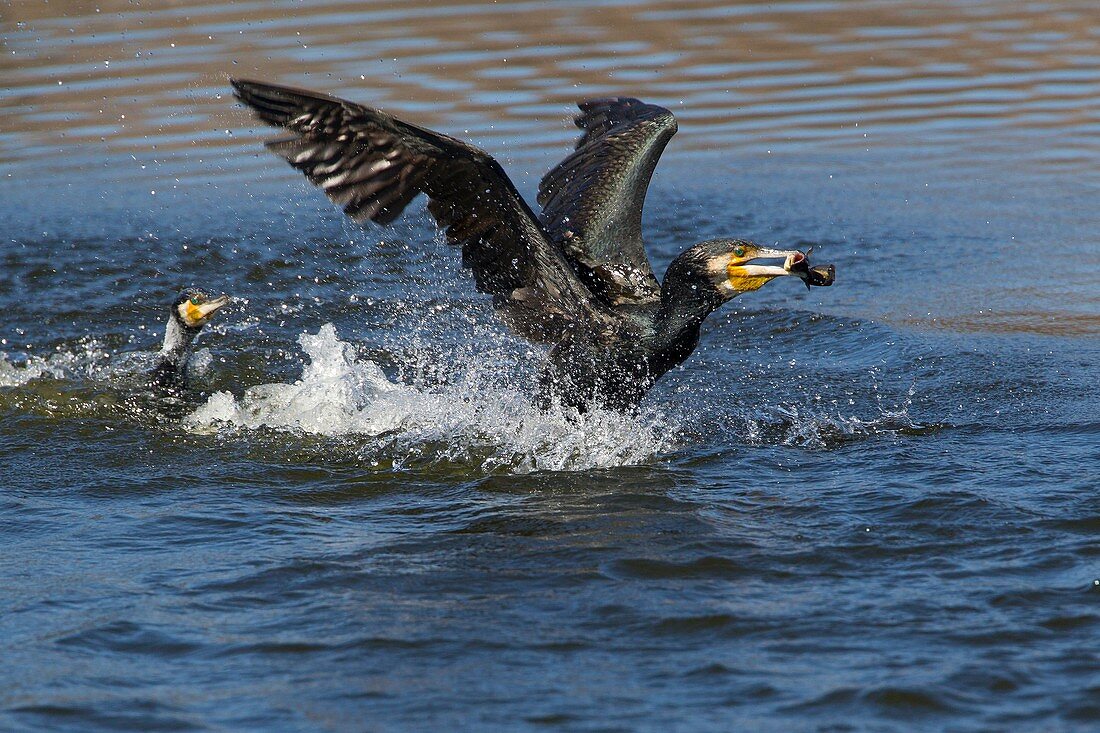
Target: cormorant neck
(178, 339)
(687, 298)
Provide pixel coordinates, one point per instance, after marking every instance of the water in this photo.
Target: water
(866, 507)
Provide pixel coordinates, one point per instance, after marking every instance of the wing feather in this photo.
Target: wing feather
(592, 201)
(374, 165)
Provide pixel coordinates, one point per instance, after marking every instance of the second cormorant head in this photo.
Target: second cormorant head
(191, 310)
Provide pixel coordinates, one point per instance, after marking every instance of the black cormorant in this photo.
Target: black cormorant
(190, 311)
(576, 277)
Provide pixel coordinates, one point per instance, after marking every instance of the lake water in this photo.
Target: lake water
(865, 507)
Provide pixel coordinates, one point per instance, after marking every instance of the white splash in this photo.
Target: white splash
(471, 419)
(90, 360)
(87, 361)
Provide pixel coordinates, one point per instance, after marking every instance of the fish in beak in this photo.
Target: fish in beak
(819, 275)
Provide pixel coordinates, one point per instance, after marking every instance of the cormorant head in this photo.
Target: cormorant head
(735, 266)
(193, 308)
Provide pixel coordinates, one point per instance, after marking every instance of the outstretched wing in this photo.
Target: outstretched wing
(592, 201)
(373, 165)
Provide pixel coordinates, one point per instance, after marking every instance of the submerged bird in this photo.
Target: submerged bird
(190, 311)
(576, 277)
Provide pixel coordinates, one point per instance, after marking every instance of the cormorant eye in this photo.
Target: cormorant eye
(195, 300)
(739, 251)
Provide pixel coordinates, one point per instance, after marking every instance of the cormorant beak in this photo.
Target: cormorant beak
(743, 277)
(199, 314)
(790, 257)
(795, 263)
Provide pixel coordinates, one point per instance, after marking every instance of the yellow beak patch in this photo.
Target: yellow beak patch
(194, 313)
(742, 282)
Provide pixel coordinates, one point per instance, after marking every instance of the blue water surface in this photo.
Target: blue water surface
(865, 507)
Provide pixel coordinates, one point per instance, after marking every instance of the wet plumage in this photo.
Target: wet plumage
(576, 277)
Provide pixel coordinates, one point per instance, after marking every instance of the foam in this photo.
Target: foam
(472, 418)
(86, 361)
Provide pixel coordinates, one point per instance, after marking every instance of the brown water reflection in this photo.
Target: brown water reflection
(748, 75)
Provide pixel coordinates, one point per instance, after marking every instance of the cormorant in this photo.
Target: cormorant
(576, 277)
(191, 310)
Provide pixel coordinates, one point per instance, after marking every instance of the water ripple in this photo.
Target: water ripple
(755, 77)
